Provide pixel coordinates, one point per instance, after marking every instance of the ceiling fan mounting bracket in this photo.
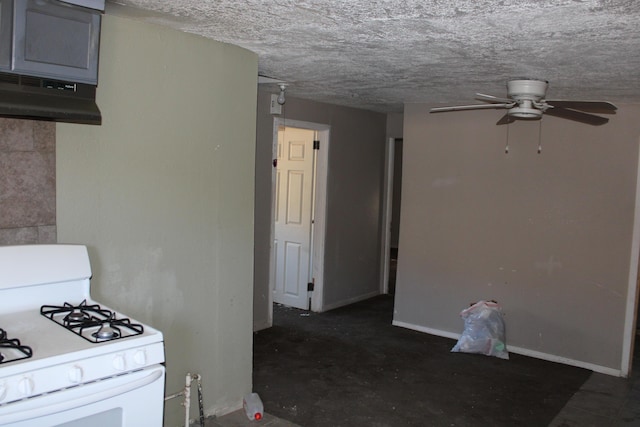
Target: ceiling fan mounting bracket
(533, 90)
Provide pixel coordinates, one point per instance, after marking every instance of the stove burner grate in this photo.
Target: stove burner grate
(13, 349)
(92, 322)
(73, 315)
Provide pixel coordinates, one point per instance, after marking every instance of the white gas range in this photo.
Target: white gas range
(66, 360)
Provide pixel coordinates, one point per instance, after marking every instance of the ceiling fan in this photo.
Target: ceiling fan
(526, 100)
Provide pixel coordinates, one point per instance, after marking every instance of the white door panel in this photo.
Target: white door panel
(292, 266)
(293, 213)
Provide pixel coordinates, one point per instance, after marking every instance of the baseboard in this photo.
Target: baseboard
(519, 350)
(564, 360)
(348, 301)
(430, 331)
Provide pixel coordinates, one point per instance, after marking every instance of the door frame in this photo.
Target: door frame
(387, 206)
(319, 201)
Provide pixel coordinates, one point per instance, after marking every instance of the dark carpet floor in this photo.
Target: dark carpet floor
(351, 367)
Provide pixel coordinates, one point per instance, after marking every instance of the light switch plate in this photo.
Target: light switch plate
(275, 107)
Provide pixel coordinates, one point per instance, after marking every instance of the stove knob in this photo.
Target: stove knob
(75, 374)
(119, 364)
(140, 358)
(3, 391)
(25, 386)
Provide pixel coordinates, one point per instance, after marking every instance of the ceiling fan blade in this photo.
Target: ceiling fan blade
(505, 120)
(577, 116)
(591, 106)
(470, 107)
(491, 98)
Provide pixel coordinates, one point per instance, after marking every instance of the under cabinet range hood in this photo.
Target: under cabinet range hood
(49, 59)
(27, 97)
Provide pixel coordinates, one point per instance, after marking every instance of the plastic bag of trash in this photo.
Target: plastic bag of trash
(484, 330)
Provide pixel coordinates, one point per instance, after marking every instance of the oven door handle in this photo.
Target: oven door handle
(55, 408)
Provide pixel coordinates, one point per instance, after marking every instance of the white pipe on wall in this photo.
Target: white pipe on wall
(186, 392)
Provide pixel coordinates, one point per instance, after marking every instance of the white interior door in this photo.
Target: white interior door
(293, 216)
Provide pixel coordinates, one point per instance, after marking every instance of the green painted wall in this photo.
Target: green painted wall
(162, 194)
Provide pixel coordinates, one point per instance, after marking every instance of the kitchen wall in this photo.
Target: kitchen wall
(162, 193)
(27, 182)
(549, 235)
(354, 197)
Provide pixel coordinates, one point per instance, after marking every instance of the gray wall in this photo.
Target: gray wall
(354, 196)
(162, 194)
(547, 235)
(394, 125)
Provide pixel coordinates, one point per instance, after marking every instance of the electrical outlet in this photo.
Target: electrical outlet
(275, 107)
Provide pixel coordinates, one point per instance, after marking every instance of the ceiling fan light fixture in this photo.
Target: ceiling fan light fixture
(525, 110)
(281, 99)
(525, 113)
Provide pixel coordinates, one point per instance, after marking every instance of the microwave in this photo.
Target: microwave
(51, 39)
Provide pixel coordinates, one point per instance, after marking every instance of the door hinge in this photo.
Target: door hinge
(316, 145)
(310, 286)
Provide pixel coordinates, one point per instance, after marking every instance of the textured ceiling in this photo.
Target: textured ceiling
(380, 54)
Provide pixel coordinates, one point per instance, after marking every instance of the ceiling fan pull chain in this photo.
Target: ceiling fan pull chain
(506, 148)
(540, 136)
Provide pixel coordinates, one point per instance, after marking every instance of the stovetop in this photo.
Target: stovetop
(92, 322)
(61, 359)
(53, 343)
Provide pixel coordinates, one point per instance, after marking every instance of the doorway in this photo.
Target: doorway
(299, 180)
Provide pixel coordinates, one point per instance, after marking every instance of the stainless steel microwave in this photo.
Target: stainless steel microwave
(51, 39)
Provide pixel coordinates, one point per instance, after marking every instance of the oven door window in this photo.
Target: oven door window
(112, 417)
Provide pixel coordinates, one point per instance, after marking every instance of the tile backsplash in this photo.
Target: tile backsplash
(27, 182)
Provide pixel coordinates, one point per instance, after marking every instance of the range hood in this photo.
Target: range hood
(28, 97)
(49, 59)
